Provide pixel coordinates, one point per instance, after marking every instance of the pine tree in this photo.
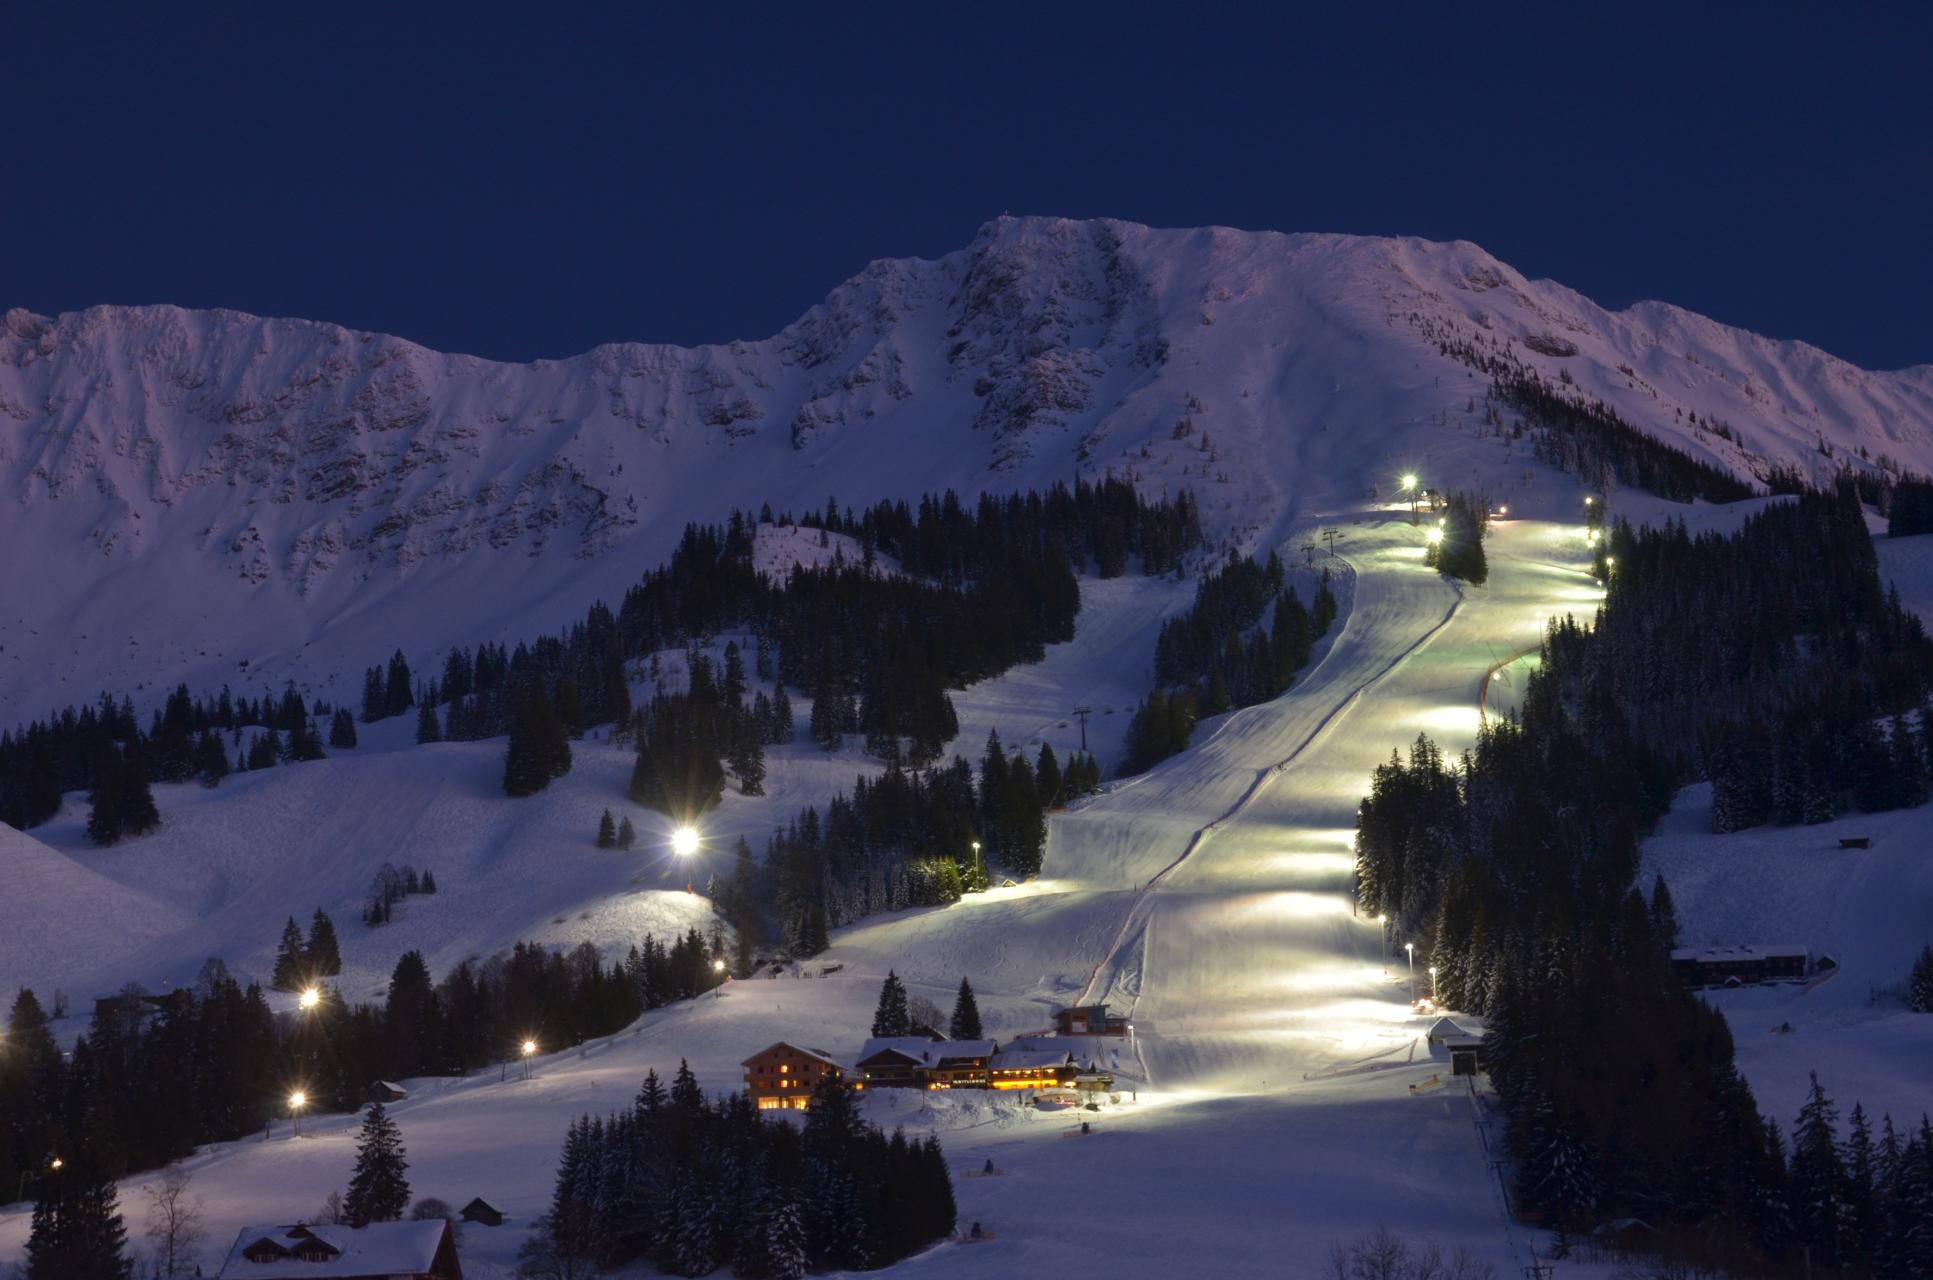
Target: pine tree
(1861, 1224)
(1817, 1177)
(783, 725)
(324, 952)
(77, 1232)
(104, 797)
(427, 728)
(606, 831)
(378, 1191)
(1664, 914)
(1048, 780)
(291, 959)
(627, 835)
(342, 730)
(398, 693)
(782, 1245)
(966, 1014)
(373, 702)
(1919, 984)
(891, 1018)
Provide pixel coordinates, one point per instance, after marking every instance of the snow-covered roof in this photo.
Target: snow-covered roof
(392, 1086)
(1714, 955)
(379, 1249)
(963, 1049)
(1449, 1030)
(918, 1048)
(820, 1054)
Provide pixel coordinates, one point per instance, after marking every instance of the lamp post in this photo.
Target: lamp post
(718, 987)
(1408, 485)
(311, 997)
(297, 1101)
(1411, 948)
(1432, 984)
(529, 1048)
(979, 868)
(1383, 920)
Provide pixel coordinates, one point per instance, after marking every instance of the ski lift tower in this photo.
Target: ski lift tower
(1331, 535)
(1082, 712)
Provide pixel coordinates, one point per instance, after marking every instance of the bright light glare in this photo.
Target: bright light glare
(311, 997)
(1435, 536)
(55, 1163)
(530, 1047)
(684, 841)
(1409, 480)
(298, 1099)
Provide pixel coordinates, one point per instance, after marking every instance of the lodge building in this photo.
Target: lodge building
(782, 1077)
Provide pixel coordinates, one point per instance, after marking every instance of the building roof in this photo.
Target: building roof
(1720, 955)
(379, 1249)
(392, 1086)
(820, 1054)
(913, 1048)
(964, 1049)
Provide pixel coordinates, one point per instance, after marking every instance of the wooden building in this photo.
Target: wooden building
(1740, 966)
(387, 1091)
(378, 1251)
(959, 1064)
(1032, 1069)
(482, 1211)
(894, 1062)
(1090, 1020)
(782, 1077)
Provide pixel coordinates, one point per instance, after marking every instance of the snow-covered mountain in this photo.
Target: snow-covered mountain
(213, 496)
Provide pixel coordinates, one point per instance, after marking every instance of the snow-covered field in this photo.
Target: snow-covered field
(1210, 898)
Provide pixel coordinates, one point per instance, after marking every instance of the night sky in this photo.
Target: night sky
(532, 183)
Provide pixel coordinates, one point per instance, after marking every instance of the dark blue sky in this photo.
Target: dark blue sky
(534, 182)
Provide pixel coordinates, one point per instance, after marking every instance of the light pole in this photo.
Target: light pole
(529, 1048)
(1411, 948)
(1432, 984)
(979, 868)
(1408, 486)
(297, 1101)
(718, 987)
(684, 844)
(1383, 920)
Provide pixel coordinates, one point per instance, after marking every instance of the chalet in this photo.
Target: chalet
(379, 1251)
(1740, 966)
(1090, 1020)
(959, 1064)
(1855, 842)
(895, 1062)
(1464, 1046)
(132, 1007)
(1028, 1068)
(386, 1091)
(782, 1077)
(482, 1211)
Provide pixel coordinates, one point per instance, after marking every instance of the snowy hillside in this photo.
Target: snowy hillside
(216, 497)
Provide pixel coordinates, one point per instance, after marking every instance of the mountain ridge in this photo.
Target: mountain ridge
(245, 487)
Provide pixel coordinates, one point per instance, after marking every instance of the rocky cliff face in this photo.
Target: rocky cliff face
(214, 486)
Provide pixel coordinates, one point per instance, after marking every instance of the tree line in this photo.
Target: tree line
(157, 1076)
(1218, 657)
(1515, 867)
(694, 1185)
(906, 839)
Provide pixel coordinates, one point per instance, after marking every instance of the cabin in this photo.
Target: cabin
(783, 1076)
(378, 1251)
(959, 1064)
(132, 1007)
(1029, 1068)
(1855, 842)
(1089, 1020)
(894, 1062)
(1740, 966)
(1464, 1046)
(482, 1211)
(386, 1091)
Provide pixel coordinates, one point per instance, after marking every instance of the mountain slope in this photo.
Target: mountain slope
(212, 496)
